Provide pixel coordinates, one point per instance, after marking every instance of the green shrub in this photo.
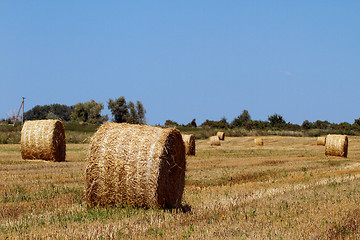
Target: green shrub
(10, 137)
(78, 137)
(80, 127)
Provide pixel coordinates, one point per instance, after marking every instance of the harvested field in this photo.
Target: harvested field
(286, 189)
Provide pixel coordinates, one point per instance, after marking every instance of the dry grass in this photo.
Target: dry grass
(286, 189)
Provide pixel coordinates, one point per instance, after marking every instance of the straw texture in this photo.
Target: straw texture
(214, 141)
(321, 140)
(43, 139)
(221, 135)
(136, 165)
(336, 145)
(189, 141)
(259, 141)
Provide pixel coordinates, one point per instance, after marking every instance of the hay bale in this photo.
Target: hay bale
(336, 145)
(221, 135)
(214, 141)
(321, 140)
(136, 165)
(189, 141)
(43, 139)
(259, 141)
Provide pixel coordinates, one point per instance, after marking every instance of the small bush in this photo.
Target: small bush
(80, 127)
(10, 137)
(78, 137)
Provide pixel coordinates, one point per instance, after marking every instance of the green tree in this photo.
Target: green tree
(257, 124)
(223, 123)
(119, 109)
(80, 114)
(357, 122)
(129, 113)
(140, 112)
(192, 123)
(53, 111)
(306, 125)
(89, 112)
(169, 123)
(321, 124)
(344, 126)
(215, 124)
(51, 115)
(133, 114)
(241, 119)
(276, 120)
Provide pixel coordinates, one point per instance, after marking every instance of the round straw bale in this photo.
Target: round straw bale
(259, 141)
(321, 140)
(221, 135)
(136, 165)
(43, 139)
(214, 141)
(189, 141)
(336, 145)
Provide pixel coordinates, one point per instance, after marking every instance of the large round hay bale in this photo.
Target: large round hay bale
(189, 141)
(336, 145)
(321, 140)
(136, 165)
(214, 141)
(259, 141)
(43, 139)
(221, 135)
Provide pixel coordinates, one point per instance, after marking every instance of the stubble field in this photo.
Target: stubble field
(286, 189)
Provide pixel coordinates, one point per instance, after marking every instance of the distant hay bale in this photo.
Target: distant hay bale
(189, 141)
(259, 141)
(136, 165)
(43, 139)
(221, 135)
(336, 145)
(321, 140)
(214, 141)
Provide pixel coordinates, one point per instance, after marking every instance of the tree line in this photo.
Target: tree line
(243, 120)
(90, 112)
(275, 121)
(129, 112)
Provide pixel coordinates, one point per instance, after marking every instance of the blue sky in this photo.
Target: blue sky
(185, 59)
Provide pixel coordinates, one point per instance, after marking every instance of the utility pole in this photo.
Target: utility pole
(22, 106)
(22, 115)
